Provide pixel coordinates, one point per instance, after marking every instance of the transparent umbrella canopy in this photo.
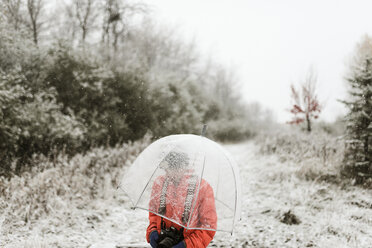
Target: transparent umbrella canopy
(177, 175)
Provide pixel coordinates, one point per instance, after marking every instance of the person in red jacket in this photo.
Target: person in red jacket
(175, 196)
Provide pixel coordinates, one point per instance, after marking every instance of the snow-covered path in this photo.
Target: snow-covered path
(328, 216)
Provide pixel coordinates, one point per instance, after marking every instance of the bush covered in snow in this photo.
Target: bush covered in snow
(59, 96)
(231, 130)
(61, 182)
(316, 154)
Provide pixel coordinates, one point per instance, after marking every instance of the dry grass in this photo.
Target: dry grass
(75, 204)
(329, 215)
(52, 194)
(316, 155)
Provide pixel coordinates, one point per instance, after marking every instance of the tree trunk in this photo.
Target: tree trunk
(84, 34)
(34, 29)
(366, 154)
(308, 121)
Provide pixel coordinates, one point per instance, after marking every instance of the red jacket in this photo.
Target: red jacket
(204, 217)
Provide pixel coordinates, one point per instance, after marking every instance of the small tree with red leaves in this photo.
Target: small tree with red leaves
(305, 105)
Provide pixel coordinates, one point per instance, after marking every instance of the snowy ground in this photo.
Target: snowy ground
(328, 216)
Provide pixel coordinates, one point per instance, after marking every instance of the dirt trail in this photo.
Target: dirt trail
(327, 215)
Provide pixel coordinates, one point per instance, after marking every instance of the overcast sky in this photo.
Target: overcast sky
(273, 43)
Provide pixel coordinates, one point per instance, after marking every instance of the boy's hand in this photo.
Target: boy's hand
(154, 237)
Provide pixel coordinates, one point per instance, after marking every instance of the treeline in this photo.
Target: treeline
(77, 83)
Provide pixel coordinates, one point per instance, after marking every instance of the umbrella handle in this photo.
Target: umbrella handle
(204, 130)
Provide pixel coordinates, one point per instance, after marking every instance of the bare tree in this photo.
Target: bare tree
(12, 11)
(85, 12)
(34, 8)
(70, 25)
(111, 15)
(305, 105)
(116, 19)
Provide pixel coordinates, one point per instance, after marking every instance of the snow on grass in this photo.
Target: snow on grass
(328, 216)
(274, 199)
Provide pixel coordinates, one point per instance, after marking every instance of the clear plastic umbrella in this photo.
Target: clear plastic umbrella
(177, 175)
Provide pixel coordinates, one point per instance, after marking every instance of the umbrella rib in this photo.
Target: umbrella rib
(135, 206)
(125, 192)
(180, 224)
(236, 192)
(225, 204)
(218, 181)
(197, 194)
(157, 167)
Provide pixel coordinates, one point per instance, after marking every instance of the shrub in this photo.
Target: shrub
(230, 130)
(114, 106)
(55, 184)
(32, 123)
(316, 154)
(176, 109)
